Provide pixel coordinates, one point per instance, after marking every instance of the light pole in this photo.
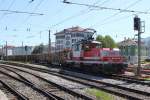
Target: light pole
(6, 51)
(26, 49)
(49, 44)
(2, 51)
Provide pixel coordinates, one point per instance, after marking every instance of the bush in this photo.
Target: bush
(147, 60)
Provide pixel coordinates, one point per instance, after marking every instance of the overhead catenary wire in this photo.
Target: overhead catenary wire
(105, 1)
(124, 17)
(119, 19)
(106, 8)
(94, 6)
(115, 14)
(28, 17)
(80, 13)
(36, 7)
(93, 10)
(23, 12)
(11, 4)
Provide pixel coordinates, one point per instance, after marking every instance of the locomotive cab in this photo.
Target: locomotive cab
(91, 45)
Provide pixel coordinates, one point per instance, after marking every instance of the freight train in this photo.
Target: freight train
(86, 54)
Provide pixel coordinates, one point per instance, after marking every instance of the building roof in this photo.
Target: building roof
(9, 47)
(127, 42)
(76, 29)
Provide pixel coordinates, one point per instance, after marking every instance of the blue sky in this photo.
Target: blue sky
(57, 16)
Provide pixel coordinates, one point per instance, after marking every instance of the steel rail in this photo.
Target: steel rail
(108, 84)
(95, 86)
(128, 79)
(14, 91)
(51, 97)
(25, 79)
(70, 91)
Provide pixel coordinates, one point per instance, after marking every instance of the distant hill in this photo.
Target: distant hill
(147, 41)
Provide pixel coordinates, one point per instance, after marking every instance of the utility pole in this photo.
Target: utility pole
(6, 50)
(139, 53)
(22, 48)
(26, 49)
(138, 27)
(2, 52)
(49, 44)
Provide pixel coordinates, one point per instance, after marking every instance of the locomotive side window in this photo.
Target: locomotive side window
(115, 52)
(105, 53)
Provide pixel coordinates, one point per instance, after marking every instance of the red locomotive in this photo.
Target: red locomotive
(89, 55)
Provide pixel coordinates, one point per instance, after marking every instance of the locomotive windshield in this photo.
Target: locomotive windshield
(89, 46)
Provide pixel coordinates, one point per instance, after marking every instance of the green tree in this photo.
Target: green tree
(107, 41)
(110, 43)
(38, 49)
(101, 39)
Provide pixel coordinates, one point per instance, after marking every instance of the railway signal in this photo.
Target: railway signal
(140, 28)
(137, 23)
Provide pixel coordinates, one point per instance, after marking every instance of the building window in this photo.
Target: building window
(73, 35)
(67, 37)
(60, 37)
(59, 47)
(79, 34)
(59, 42)
(73, 40)
(67, 42)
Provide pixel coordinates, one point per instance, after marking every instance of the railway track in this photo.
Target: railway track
(129, 79)
(18, 85)
(12, 92)
(143, 70)
(30, 84)
(50, 93)
(48, 87)
(129, 93)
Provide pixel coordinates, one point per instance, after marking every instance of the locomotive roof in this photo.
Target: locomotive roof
(96, 42)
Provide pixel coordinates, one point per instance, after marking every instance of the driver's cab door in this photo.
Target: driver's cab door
(77, 51)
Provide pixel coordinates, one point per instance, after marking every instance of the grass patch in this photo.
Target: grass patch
(147, 79)
(100, 95)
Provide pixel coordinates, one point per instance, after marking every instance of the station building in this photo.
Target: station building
(67, 37)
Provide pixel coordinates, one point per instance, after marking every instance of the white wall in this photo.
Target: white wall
(21, 51)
